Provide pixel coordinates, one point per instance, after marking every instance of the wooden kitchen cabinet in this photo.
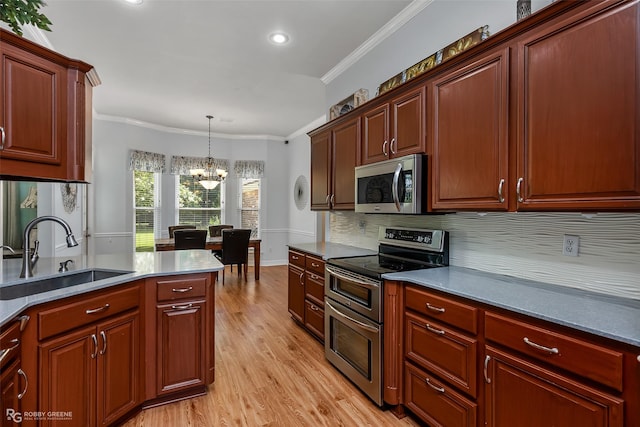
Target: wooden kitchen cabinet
(395, 128)
(578, 130)
(91, 370)
(183, 342)
(470, 135)
(335, 153)
(13, 379)
(306, 291)
(45, 112)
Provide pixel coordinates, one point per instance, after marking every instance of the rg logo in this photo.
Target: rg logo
(13, 415)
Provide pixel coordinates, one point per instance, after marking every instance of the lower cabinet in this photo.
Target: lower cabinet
(11, 392)
(181, 348)
(89, 372)
(520, 393)
(306, 291)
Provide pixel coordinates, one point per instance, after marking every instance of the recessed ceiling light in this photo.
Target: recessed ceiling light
(279, 38)
(134, 1)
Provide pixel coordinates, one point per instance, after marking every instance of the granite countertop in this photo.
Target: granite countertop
(327, 250)
(137, 265)
(607, 316)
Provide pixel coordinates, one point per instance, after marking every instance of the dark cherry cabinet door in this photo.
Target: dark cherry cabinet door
(346, 156)
(296, 293)
(118, 368)
(519, 389)
(10, 389)
(408, 123)
(181, 346)
(320, 171)
(33, 114)
(375, 134)
(67, 377)
(470, 135)
(578, 127)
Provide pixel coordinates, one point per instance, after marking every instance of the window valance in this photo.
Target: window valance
(249, 168)
(181, 165)
(146, 161)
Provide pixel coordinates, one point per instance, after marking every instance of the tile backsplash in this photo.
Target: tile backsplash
(523, 244)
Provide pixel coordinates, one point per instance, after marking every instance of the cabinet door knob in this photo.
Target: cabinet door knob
(393, 141)
(95, 346)
(104, 343)
(384, 149)
(302, 278)
(486, 369)
(26, 383)
(500, 187)
(518, 189)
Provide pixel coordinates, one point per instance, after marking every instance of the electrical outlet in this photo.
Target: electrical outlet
(570, 245)
(362, 225)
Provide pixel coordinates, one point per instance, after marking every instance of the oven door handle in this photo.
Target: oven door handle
(394, 188)
(352, 321)
(361, 282)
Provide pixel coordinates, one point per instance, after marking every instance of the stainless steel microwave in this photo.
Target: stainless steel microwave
(392, 186)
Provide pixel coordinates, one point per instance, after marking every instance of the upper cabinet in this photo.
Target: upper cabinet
(470, 135)
(45, 112)
(395, 128)
(578, 134)
(335, 153)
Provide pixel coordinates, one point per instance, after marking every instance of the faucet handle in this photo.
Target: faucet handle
(64, 265)
(35, 255)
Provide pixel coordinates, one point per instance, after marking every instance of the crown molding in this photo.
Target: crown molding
(307, 128)
(168, 129)
(415, 7)
(38, 36)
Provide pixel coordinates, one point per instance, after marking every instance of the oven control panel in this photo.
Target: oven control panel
(433, 240)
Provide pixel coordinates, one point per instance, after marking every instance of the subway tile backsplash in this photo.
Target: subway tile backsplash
(523, 244)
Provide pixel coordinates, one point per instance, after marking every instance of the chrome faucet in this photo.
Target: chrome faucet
(29, 259)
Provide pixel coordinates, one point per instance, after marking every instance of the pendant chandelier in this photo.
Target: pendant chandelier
(207, 177)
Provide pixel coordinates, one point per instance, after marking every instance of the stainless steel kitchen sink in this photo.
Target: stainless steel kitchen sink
(59, 282)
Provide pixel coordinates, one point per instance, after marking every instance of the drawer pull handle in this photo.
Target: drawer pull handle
(295, 257)
(23, 321)
(434, 308)
(26, 383)
(182, 307)
(313, 276)
(313, 264)
(97, 310)
(434, 330)
(486, 368)
(4, 353)
(549, 350)
(639, 358)
(182, 290)
(95, 346)
(438, 389)
(314, 307)
(104, 343)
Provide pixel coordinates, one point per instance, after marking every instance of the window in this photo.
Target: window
(197, 205)
(146, 190)
(249, 204)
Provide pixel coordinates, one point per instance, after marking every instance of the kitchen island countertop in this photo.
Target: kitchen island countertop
(599, 314)
(137, 265)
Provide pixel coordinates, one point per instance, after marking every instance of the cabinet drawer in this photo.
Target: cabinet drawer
(314, 288)
(9, 343)
(436, 403)
(574, 355)
(443, 351)
(314, 318)
(444, 309)
(174, 289)
(85, 311)
(297, 258)
(315, 265)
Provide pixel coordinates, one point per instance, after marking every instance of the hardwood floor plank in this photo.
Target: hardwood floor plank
(269, 371)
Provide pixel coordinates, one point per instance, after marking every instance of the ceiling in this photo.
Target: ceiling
(172, 62)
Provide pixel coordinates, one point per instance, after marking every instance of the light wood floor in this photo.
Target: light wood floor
(269, 371)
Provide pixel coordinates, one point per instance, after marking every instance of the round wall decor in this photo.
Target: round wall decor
(301, 192)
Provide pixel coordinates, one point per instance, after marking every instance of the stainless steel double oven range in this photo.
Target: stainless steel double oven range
(354, 300)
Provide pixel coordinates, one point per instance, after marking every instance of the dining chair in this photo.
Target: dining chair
(173, 228)
(216, 230)
(190, 239)
(235, 249)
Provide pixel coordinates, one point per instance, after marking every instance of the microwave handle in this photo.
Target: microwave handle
(394, 188)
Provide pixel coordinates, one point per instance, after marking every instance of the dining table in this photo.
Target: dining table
(214, 243)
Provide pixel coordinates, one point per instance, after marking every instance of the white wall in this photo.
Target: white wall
(113, 189)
